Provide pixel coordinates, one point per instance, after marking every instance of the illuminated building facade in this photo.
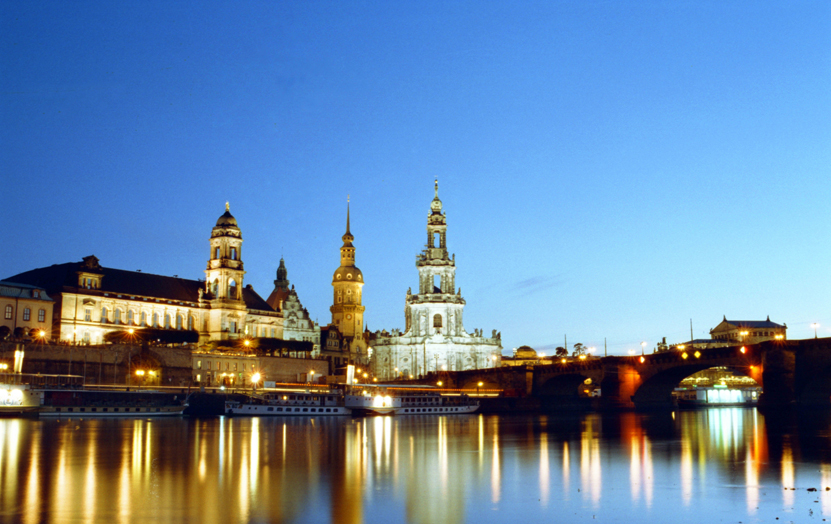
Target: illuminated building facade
(748, 331)
(434, 339)
(297, 323)
(25, 307)
(92, 300)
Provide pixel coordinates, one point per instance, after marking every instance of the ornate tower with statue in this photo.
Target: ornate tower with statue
(434, 337)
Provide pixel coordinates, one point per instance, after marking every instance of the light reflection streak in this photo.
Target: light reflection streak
(566, 471)
(442, 452)
(686, 471)
(787, 474)
(89, 482)
(545, 473)
(496, 488)
(751, 472)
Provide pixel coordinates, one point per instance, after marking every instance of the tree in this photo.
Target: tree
(579, 349)
(5, 331)
(561, 352)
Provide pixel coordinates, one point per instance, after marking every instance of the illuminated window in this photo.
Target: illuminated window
(130, 316)
(104, 315)
(167, 320)
(118, 316)
(88, 315)
(143, 318)
(155, 320)
(27, 314)
(9, 312)
(41, 315)
(190, 322)
(178, 321)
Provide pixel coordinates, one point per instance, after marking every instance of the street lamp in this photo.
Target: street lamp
(312, 376)
(254, 379)
(478, 385)
(643, 347)
(815, 326)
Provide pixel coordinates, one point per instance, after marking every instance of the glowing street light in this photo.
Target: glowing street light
(815, 326)
(312, 376)
(439, 384)
(643, 347)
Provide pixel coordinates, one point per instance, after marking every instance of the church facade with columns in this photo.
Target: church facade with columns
(434, 339)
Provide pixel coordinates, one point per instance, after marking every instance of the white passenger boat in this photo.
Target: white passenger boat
(16, 399)
(290, 403)
(385, 400)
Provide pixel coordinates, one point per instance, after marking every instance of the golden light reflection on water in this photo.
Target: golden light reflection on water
(433, 469)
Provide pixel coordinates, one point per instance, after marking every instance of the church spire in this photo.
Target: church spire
(347, 237)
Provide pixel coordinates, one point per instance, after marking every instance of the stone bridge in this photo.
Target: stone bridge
(789, 371)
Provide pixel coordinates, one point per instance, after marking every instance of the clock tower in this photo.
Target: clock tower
(347, 311)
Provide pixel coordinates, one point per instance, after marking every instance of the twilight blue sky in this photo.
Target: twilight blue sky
(608, 169)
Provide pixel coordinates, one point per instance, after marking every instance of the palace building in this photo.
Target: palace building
(92, 300)
(434, 339)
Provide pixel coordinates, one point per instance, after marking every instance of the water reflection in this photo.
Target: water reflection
(414, 469)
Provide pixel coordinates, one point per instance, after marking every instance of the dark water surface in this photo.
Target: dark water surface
(718, 465)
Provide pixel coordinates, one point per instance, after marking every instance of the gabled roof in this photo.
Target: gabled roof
(754, 323)
(60, 278)
(19, 290)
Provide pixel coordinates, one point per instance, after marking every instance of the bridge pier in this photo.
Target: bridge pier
(778, 375)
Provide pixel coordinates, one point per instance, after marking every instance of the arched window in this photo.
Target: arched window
(130, 316)
(216, 253)
(436, 284)
(232, 288)
(143, 318)
(155, 320)
(178, 321)
(437, 320)
(118, 316)
(167, 320)
(214, 287)
(104, 315)
(233, 253)
(190, 322)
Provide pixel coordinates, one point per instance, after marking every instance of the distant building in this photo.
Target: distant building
(733, 332)
(748, 331)
(26, 307)
(434, 338)
(92, 300)
(297, 323)
(524, 356)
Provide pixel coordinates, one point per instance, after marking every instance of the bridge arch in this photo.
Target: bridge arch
(565, 385)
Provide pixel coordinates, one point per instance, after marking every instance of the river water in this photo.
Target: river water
(716, 465)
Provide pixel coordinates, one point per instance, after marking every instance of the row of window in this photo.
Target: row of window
(105, 318)
(27, 314)
(218, 366)
(734, 336)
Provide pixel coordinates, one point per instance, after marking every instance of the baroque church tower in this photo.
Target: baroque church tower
(223, 278)
(347, 311)
(437, 308)
(434, 339)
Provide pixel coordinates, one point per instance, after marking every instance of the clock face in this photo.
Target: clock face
(348, 317)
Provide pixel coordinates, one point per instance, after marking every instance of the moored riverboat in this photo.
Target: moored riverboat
(290, 403)
(87, 403)
(17, 399)
(380, 400)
